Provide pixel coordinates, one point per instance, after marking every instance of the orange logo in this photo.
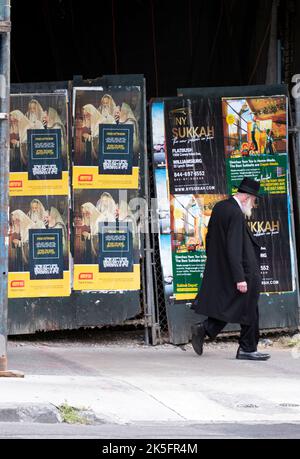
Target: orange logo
(86, 276)
(15, 184)
(17, 284)
(85, 178)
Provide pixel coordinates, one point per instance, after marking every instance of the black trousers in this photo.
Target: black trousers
(249, 335)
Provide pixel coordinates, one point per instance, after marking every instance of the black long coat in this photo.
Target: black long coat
(233, 255)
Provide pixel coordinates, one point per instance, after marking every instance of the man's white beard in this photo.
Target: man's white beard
(35, 217)
(247, 209)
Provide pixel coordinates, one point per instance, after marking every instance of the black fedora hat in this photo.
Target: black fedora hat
(250, 186)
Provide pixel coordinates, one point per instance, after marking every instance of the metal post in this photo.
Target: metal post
(296, 148)
(4, 177)
(150, 319)
(150, 316)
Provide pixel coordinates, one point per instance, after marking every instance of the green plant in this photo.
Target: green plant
(72, 415)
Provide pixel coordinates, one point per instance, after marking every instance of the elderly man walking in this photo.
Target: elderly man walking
(231, 282)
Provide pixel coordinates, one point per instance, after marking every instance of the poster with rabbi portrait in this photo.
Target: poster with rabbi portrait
(107, 137)
(39, 246)
(93, 211)
(38, 144)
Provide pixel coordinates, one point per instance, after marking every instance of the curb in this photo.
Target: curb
(28, 412)
(46, 413)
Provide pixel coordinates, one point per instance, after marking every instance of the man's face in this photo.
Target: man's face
(86, 115)
(13, 119)
(34, 207)
(32, 108)
(249, 204)
(105, 102)
(85, 212)
(253, 200)
(15, 219)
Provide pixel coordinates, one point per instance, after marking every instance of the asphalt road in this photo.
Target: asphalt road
(150, 431)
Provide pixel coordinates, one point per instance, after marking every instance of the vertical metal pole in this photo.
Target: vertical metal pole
(4, 171)
(4, 178)
(296, 145)
(150, 321)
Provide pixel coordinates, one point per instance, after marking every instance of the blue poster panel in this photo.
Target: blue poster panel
(45, 159)
(45, 254)
(115, 149)
(115, 247)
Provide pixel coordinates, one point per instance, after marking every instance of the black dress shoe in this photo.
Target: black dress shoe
(242, 355)
(198, 336)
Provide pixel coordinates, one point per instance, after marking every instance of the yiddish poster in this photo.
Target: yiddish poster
(108, 137)
(106, 240)
(39, 144)
(39, 247)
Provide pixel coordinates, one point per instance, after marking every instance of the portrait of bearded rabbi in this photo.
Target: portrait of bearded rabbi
(231, 282)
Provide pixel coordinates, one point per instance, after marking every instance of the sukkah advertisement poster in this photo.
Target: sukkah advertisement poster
(39, 262)
(106, 240)
(194, 142)
(255, 141)
(39, 162)
(107, 137)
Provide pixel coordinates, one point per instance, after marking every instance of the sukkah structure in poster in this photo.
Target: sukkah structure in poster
(106, 183)
(39, 262)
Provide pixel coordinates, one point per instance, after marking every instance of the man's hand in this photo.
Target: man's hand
(242, 287)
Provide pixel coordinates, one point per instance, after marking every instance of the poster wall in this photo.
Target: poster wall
(39, 262)
(106, 181)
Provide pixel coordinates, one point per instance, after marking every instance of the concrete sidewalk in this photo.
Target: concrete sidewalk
(133, 383)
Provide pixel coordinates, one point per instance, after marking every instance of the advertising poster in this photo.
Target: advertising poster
(107, 142)
(190, 215)
(162, 195)
(197, 181)
(106, 240)
(256, 146)
(255, 142)
(194, 146)
(39, 246)
(269, 223)
(39, 144)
